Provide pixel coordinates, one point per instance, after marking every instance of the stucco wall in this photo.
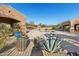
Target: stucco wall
(73, 22)
(9, 12)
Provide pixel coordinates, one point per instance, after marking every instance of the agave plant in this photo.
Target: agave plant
(50, 42)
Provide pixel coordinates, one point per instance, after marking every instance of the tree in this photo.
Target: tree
(31, 23)
(42, 25)
(53, 27)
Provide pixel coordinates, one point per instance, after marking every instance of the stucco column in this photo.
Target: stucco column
(71, 26)
(13, 30)
(63, 28)
(23, 27)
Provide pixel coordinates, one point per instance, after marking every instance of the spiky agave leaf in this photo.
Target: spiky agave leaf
(56, 46)
(52, 43)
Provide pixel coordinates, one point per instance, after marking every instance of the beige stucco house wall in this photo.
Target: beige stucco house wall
(10, 15)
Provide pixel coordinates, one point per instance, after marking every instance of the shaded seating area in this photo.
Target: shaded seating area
(9, 15)
(19, 47)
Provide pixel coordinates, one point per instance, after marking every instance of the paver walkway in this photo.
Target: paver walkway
(14, 52)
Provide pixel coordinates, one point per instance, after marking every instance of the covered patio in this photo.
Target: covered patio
(11, 16)
(74, 25)
(66, 26)
(70, 26)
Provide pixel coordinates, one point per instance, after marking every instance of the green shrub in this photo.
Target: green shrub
(4, 34)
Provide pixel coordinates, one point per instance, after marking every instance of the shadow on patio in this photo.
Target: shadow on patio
(36, 52)
(8, 47)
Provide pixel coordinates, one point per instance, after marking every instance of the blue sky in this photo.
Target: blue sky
(50, 13)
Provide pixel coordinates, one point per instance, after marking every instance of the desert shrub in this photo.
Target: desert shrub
(4, 34)
(66, 28)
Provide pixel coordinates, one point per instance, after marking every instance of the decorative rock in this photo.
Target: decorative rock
(65, 51)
